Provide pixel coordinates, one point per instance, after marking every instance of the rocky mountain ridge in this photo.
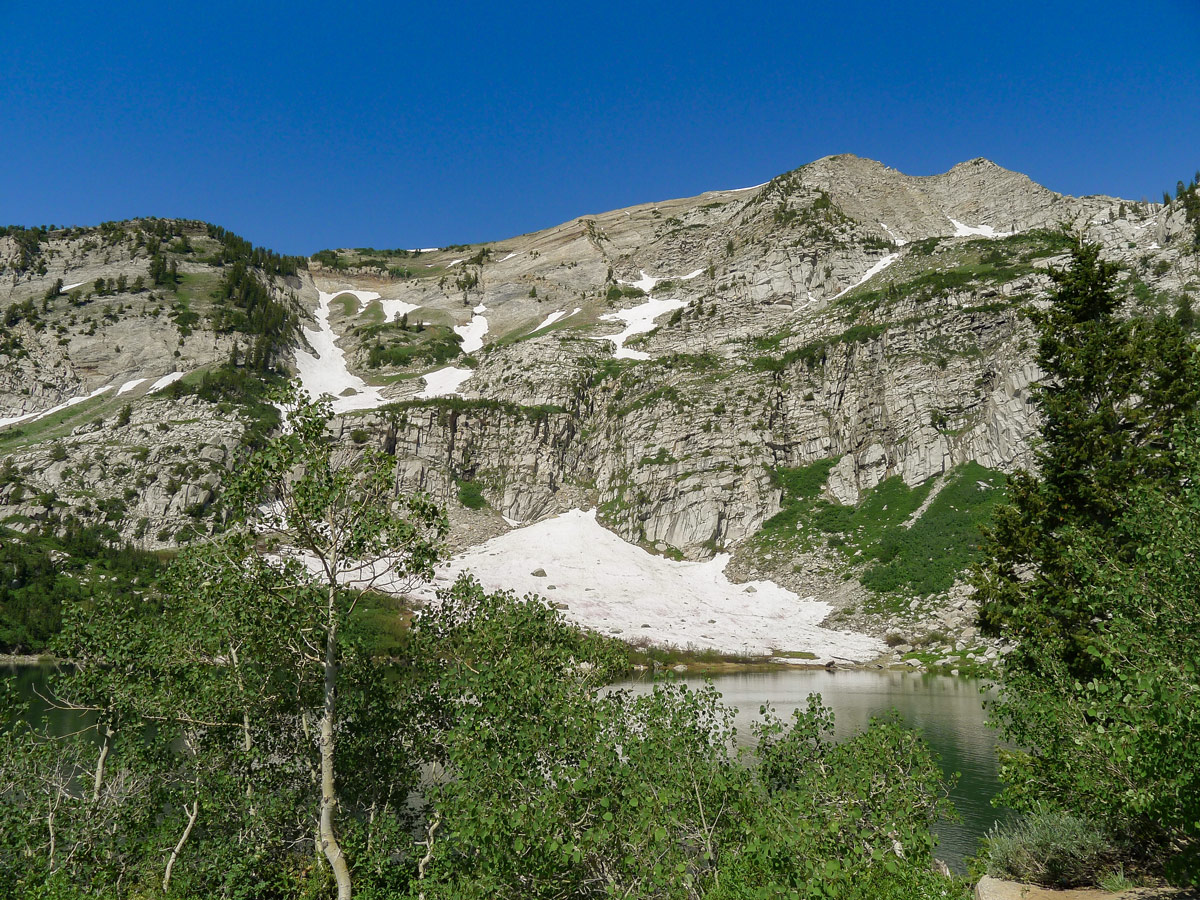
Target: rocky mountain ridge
(669, 363)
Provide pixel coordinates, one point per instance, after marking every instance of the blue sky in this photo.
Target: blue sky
(310, 125)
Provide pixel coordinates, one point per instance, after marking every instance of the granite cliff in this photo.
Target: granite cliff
(678, 365)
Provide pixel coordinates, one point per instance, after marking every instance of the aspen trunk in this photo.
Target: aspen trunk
(50, 828)
(237, 671)
(191, 814)
(329, 844)
(98, 782)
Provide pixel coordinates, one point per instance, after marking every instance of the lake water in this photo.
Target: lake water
(29, 682)
(947, 711)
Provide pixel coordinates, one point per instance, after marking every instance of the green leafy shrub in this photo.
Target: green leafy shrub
(942, 542)
(1048, 847)
(470, 495)
(42, 574)
(556, 787)
(434, 345)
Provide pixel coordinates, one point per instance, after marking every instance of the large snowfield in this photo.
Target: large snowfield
(325, 371)
(607, 584)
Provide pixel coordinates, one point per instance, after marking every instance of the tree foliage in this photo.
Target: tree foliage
(1113, 389)
(40, 574)
(246, 304)
(1091, 569)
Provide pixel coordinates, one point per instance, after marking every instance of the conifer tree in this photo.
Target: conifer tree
(1100, 691)
(1113, 390)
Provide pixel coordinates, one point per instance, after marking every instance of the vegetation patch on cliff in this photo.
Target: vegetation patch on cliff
(883, 539)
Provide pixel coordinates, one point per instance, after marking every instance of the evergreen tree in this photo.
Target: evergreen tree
(1089, 568)
(158, 268)
(1112, 392)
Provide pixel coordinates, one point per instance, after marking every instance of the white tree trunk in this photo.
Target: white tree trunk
(99, 779)
(333, 852)
(191, 814)
(237, 671)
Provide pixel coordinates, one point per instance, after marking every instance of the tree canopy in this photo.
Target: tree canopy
(1090, 568)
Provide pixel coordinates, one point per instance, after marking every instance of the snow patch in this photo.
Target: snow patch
(129, 386)
(645, 283)
(166, 380)
(479, 309)
(987, 231)
(71, 287)
(33, 417)
(394, 309)
(638, 320)
(896, 239)
(871, 273)
(472, 333)
(510, 256)
(615, 587)
(444, 382)
(326, 372)
(455, 263)
(554, 317)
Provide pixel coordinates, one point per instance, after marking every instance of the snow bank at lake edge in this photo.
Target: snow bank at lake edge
(616, 588)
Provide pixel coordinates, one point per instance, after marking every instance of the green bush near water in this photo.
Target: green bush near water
(1049, 847)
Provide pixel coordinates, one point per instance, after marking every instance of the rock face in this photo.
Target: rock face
(774, 353)
(842, 311)
(154, 476)
(90, 429)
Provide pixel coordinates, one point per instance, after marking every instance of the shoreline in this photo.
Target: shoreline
(15, 660)
(679, 663)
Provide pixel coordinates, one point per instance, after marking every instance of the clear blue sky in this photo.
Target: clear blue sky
(309, 125)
